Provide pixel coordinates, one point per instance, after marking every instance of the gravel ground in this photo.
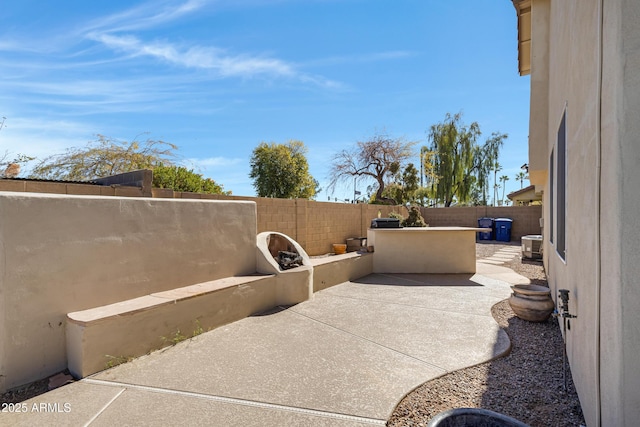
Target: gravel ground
(527, 384)
(25, 392)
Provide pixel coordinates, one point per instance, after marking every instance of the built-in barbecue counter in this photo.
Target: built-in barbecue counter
(424, 249)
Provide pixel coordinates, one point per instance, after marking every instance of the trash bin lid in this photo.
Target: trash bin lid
(504, 220)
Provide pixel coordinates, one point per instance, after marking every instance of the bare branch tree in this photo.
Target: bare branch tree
(376, 158)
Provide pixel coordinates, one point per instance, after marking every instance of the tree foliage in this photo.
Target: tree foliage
(10, 167)
(377, 158)
(282, 171)
(503, 180)
(179, 178)
(461, 166)
(108, 156)
(104, 157)
(403, 189)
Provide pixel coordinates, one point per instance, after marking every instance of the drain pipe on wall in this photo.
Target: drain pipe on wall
(599, 211)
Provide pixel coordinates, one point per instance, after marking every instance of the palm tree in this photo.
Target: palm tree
(521, 176)
(503, 180)
(496, 168)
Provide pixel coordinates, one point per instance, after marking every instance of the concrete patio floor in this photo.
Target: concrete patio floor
(344, 358)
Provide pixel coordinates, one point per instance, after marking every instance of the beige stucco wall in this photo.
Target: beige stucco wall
(437, 250)
(315, 225)
(620, 356)
(333, 270)
(539, 100)
(573, 67)
(65, 253)
(601, 269)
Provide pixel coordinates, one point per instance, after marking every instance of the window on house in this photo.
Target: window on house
(561, 202)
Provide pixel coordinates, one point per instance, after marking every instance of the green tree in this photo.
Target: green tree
(179, 178)
(104, 157)
(496, 168)
(282, 171)
(521, 176)
(486, 158)
(410, 182)
(428, 177)
(503, 180)
(461, 166)
(403, 189)
(377, 158)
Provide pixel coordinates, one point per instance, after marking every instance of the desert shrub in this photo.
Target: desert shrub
(414, 219)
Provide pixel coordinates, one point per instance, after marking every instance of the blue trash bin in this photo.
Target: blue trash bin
(503, 229)
(485, 223)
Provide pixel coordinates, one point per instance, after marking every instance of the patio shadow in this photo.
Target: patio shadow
(418, 279)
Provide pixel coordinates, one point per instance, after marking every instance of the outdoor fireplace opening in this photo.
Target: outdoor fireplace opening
(284, 251)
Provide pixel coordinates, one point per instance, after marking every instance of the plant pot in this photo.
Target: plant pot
(473, 417)
(531, 302)
(339, 248)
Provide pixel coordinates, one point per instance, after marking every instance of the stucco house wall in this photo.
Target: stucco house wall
(62, 253)
(590, 52)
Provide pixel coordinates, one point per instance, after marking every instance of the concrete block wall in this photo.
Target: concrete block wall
(48, 187)
(330, 223)
(526, 219)
(278, 215)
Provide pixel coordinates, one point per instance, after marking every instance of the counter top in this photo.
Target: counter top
(405, 229)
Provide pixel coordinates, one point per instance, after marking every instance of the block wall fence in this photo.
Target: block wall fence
(315, 225)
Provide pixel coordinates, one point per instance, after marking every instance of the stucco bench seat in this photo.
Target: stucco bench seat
(332, 270)
(99, 337)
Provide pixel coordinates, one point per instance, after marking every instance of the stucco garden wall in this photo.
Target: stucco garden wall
(61, 254)
(315, 225)
(65, 253)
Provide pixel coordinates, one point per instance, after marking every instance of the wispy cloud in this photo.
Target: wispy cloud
(198, 57)
(145, 16)
(42, 137)
(211, 162)
(118, 33)
(359, 58)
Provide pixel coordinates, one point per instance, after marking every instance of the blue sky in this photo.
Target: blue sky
(219, 77)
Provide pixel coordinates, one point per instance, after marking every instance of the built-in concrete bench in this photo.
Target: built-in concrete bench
(332, 270)
(98, 337)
